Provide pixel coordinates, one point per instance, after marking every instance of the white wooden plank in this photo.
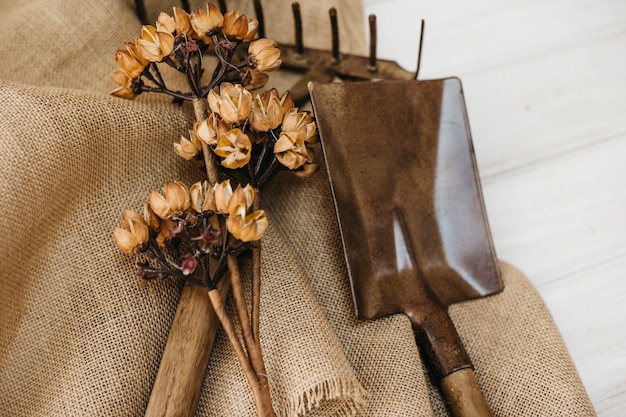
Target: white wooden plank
(563, 216)
(590, 308)
(530, 111)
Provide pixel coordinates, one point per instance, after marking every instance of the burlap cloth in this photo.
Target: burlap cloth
(80, 336)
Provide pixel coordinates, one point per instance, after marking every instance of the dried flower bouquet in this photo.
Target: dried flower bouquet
(196, 233)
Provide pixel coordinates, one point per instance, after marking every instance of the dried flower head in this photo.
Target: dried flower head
(133, 234)
(233, 103)
(290, 150)
(210, 129)
(264, 56)
(183, 22)
(253, 79)
(174, 199)
(167, 22)
(125, 89)
(238, 26)
(155, 43)
(267, 111)
(188, 148)
(227, 199)
(202, 197)
(205, 22)
(235, 147)
(300, 124)
(130, 61)
(247, 227)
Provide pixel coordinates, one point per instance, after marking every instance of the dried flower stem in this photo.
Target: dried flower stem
(252, 363)
(256, 276)
(220, 310)
(260, 384)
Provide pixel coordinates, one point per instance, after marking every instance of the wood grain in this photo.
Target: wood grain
(176, 390)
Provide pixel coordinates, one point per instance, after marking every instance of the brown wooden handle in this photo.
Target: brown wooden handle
(444, 353)
(176, 390)
(464, 396)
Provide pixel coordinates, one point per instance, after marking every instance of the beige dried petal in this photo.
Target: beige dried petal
(183, 22)
(175, 198)
(134, 232)
(235, 147)
(166, 39)
(286, 101)
(125, 89)
(210, 129)
(124, 240)
(159, 204)
(202, 198)
(267, 111)
(264, 55)
(206, 21)
(233, 103)
(155, 43)
(295, 121)
(167, 227)
(188, 149)
(177, 195)
(238, 26)
(247, 228)
(290, 150)
(167, 22)
(153, 221)
(136, 224)
(226, 199)
(222, 192)
(123, 92)
(284, 143)
(132, 66)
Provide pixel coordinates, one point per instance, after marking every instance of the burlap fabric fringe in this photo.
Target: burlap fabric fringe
(80, 336)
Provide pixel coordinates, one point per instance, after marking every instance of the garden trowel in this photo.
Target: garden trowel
(416, 238)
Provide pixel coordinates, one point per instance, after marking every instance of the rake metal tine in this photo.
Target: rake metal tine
(373, 39)
(419, 50)
(258, 10)
(297, 17)
(140, 10)
(335, 33)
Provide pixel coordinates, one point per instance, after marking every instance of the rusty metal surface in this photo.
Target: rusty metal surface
(407, 193)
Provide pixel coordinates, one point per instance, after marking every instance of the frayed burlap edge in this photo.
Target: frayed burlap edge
(352, 395)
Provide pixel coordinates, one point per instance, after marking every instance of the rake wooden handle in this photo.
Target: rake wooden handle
(176, 390)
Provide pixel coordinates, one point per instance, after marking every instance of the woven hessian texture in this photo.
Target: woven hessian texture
(81, 336)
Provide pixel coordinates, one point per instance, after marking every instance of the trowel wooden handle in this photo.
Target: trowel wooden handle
(464, 396)
(448, 360)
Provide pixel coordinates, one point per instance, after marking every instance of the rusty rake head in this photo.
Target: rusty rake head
(323, 65)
